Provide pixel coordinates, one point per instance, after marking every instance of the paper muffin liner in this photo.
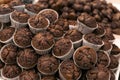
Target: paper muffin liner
(25, 67)
(9, 40)
(77, 43)
(1, 26)
(84, 28)
(5, 78)
(95, 46)
(5, 18)
(73, 27)
(75, 61)
(67, 55)
(41, 52)
(36, 30)
(50, 10)
(63, 78)
(30, 13)
(17, 24)
(19, 8)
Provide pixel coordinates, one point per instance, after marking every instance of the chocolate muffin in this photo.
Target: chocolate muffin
(92, 38)
(107, 46)
(10, 71)
(38, 22)
(49, 78)
(5, 9)
(85, 57)
(114, 62)
(27, 58)
(20, 17)
(1, 64)
(51, 14)
(98, 74)
(43, 41)
(6, 34)
(69, 71)
(47, 65)
(15, 3)
(103, 59)
(62, 48)
(73, 35)
(115, 50)
(56, 30)
(29, 75)
(23, 37)
(9, 53)
(87, 20)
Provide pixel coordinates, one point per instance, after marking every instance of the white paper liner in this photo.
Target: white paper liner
(41, 52)
(101, 35)
(73, 27)
(9, 40)
(1, 26)
(30, 13)
(5, 78)
(95, 46)
(62, 77)
(19, 8)
(25, 67)
(67, 55)
(85, 29)
(36, 30)
(16, 24)
(5, 18)
(50, 10)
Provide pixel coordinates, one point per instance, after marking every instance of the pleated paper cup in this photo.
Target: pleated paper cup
(73, 27)
(5, 18)
(68, 55)
(1, 27)
(95, 46)
(62, 77)
(17, 24)
(30, 12)
(19, 8)
(84, 28)
(36, 30)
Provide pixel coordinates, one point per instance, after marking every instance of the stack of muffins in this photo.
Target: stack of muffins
(59, 40)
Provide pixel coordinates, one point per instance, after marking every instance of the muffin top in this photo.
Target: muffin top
(85, 57)
(9, 53)
(1, 64)
(15, 3)
(56, 30)
(21, 17)
(98, 74)
(11, 71)
(27, 58)
(39, 22)
(6, 33)
(23, 37)
(62, 47)
(102, 59)
(115, 50)
(5, 9)
(87, 20)
(47, 64)
(29, 75)
(92, 38)
(51, 14)
(73, 35)
(107, 45)
(48, 78)
(43, 41)
(114, 62)
(69, 70)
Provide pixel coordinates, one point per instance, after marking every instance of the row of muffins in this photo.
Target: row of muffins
(58, 32)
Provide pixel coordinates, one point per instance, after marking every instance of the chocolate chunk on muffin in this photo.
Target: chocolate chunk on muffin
(11, 71)
(69, 71)
(29, 75)
(85, 57)
(87, 20)
(23, 37)
(47, 64)
(5, 9)
(6, 33)
(27, 58)
(9, 53)
(20, 17)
